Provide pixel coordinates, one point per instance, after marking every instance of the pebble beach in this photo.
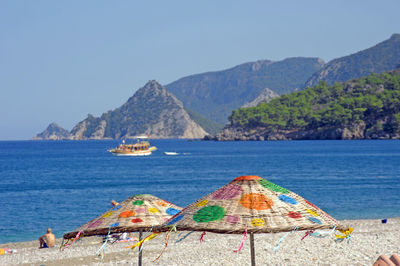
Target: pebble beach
(369, 239)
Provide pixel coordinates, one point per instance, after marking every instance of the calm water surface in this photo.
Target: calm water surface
(65, 184)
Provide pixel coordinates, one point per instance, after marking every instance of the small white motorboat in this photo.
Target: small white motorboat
(171, 153)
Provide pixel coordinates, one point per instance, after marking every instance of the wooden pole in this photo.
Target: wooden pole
(140, 249)
(253, 258)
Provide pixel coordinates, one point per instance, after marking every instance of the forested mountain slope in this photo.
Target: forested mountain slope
(215, 94)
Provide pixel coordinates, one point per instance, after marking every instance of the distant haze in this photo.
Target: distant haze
(60, 60)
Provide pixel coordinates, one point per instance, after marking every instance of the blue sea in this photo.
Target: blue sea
(64, 184)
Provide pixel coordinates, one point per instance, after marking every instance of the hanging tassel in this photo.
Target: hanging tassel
(307, 234)
(202, 237)
(78, 235)
(322, 234)
(282, 238)
(102, 249)
(184, 237)
(62, 244)
(346, 236)
(242, 242)
(172, 227)
(140, 243)
(165, 246)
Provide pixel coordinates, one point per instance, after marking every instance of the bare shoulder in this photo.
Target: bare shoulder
(49, 236)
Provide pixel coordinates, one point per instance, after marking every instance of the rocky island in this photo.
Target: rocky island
(53, 132)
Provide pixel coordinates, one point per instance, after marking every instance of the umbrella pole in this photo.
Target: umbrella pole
(140, 249)
(253, 258)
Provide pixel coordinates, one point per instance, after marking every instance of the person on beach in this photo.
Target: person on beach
(47, 240)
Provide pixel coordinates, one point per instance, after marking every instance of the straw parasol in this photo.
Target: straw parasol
(135, 214)
(254, 205)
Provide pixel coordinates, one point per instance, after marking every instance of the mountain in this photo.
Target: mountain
(215, 94)
(382, 57)
(365, 108)
(53, 132)
(151, 110)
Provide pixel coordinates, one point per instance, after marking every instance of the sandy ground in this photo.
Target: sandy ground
(370, 239)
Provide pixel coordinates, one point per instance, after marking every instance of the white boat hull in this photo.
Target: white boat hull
(132, 154)
(119, 152)
(170, 153)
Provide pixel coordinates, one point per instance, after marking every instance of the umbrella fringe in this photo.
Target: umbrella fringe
(166, 244)
(322, 234)
(282, 238)
(141, 246)
(102, 249)
(62, 244)
(140, 243)
(309, 232)
(319, 233)
(242, 242)
(66, 245)
(346, 236)
(202, 237)
(184, 237)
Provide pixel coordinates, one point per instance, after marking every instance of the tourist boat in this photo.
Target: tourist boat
(140, 148)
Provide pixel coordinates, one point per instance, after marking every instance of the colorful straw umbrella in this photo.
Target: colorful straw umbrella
(254, 205)
(135, 214)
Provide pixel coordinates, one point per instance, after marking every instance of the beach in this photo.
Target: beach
(370, 239)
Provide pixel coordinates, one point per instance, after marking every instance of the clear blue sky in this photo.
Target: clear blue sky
(60, 60)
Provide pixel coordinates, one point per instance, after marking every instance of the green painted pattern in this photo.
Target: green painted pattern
(137, 202)
(272, 186)
(208, 214)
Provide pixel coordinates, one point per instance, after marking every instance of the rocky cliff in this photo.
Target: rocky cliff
(53, 132)
(151, 110)
(265, 96)
(353, 131)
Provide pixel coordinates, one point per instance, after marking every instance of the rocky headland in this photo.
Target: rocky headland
(365, 108)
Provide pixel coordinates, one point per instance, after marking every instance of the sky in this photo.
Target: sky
(62, 60)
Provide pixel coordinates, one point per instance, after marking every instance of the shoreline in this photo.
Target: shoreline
(370, 239)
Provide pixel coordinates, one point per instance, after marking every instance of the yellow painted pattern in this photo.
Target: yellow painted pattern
(153, 210)
(313, 213)
(107, 214)
(257, 222)
(201, 203)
